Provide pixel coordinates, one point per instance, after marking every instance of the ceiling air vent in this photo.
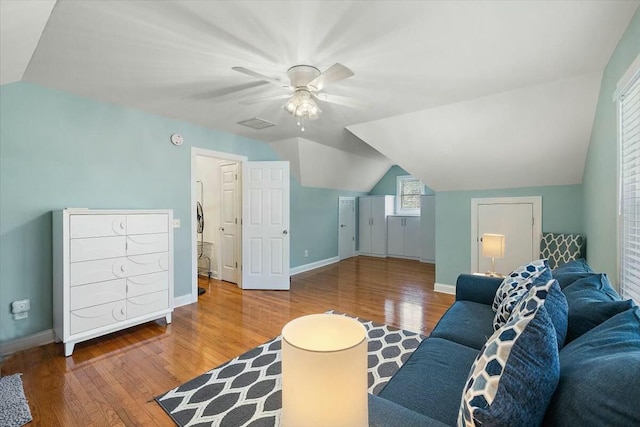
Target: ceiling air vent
(256, 123)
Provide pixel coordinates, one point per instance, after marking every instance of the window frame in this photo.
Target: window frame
(400, 180)
(628, 83)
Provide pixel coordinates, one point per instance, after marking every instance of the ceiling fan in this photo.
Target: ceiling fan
(306, 84)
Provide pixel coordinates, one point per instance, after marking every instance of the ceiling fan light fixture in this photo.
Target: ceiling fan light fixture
(302, 106)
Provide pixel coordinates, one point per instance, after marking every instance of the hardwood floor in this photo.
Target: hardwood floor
(111, 381)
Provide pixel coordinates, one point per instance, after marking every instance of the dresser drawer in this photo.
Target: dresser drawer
(147, 223)
(97, 316)
(147, 243)
(97, 225)
(147, 283)
(145, 304)
(144, 264)
(97, 293)
(100, 270)
(97, 248)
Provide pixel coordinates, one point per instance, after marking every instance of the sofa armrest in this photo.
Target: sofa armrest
(476, 288)
(385, 413)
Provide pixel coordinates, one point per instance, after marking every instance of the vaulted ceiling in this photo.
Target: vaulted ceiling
(460, 94)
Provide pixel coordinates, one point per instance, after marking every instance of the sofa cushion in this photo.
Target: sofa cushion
(577, 266)
(600, 376)
(513, 378)
(517, 292)
(466, 322)
(592, 301)
(524, 273)
(568, 278)
(385, 413)
(431, 381)
(550, 295)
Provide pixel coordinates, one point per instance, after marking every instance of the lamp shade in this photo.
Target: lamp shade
(324, 372)
(493, 245)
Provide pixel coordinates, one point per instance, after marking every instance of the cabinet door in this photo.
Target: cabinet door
(378, 226)
(412, 237)
(364, 223)
(395, 235)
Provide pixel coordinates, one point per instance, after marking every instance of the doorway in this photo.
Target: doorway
(346, 227)
(519, 219)
(216, 207)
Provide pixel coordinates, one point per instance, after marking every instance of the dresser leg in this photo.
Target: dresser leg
(168, 318)
(68, 348)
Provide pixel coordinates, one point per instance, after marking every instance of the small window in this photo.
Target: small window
(408, 195)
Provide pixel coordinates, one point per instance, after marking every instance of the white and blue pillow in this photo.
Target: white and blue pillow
(524, 273)
(513, 378)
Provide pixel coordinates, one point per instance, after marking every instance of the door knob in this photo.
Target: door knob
(221, 228)
(285, 232)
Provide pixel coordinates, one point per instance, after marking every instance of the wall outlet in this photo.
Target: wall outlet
(20, 309)
(306, 253)
(176, 223)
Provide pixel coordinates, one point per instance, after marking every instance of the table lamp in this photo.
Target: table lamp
(493, 247)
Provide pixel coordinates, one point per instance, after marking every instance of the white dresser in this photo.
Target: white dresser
(112, 269)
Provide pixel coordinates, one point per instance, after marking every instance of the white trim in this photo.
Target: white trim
(398, 201)
(35, 340)
(444, 288)
(627, 78)
(195, 151)
(312, 266)
(535, 201)
(182, 300)
(427, 261)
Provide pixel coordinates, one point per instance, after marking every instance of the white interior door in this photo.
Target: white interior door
(265, 228)
(229, 222)
(364, 216)
(347, 227)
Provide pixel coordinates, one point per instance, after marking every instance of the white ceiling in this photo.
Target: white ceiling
(504, 71)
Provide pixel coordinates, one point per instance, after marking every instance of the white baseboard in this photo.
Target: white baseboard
(312, 266)
(445, 289)
(427, 261)
(182, 300)
(35, 340)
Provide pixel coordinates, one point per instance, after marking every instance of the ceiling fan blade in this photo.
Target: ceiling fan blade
(260, 76)
(341, 100)
(332, 74)
(266, 98)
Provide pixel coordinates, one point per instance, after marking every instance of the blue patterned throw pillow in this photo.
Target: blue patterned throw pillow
(517, 289)
(513, 378)
(524, 273)
(551, 296)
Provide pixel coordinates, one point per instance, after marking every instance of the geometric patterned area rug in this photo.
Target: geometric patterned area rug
(247, 391)
(14, 409)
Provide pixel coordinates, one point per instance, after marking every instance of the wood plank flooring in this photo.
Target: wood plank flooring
(111, 380)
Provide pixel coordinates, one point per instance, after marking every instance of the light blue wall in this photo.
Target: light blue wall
(387, 184)
(59, 150)
(561, 212)
(600, 176)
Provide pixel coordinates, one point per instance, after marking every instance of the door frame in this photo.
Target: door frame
(353, 219)
(195, 152)
(535, 201)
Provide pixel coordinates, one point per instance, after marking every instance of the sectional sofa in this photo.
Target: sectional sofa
(567, 353)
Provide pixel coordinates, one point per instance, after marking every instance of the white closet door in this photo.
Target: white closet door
(364, 220)
(412, 236)
(265, 231)
(395, 228)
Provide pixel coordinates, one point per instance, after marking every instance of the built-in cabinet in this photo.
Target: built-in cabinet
(112, 270)
(403, 233)
(428, 228)
(372, 214)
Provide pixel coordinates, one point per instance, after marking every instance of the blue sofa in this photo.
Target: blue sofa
(599, 362)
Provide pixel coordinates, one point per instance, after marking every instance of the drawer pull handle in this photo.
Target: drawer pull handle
(122, 268)
(122, 311)
(122, 225)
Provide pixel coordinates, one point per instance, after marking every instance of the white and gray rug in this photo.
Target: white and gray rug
(246, 391)
(14, 409)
